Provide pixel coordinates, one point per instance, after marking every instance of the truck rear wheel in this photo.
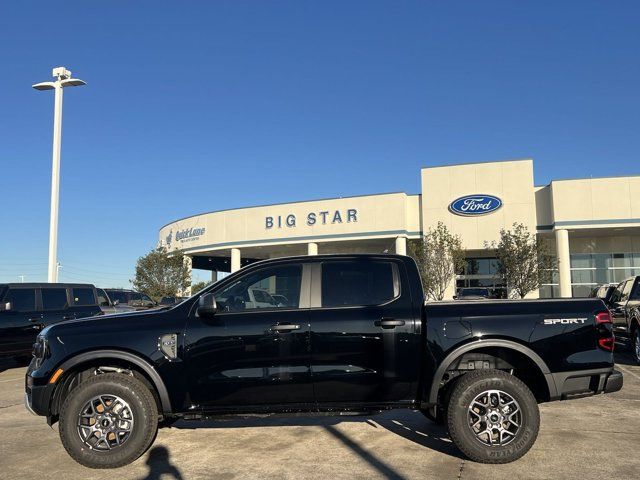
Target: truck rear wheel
(108, 421)
(492, 417)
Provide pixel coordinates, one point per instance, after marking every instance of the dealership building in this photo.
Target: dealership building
(592, 225)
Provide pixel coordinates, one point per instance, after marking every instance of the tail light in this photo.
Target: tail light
(607, 341)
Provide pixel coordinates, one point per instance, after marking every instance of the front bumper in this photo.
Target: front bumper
(27, 403)
(37, 398)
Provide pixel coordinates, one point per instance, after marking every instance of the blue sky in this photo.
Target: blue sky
(198, 106)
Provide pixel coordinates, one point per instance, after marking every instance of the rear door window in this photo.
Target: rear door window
(83, 296)
(54, 299)
(22, 299)
(354, 283)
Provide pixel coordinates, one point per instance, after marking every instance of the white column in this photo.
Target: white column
(312, 248)
(55, 185)
(214, 276)
(235, 259)
(564, 262)
(401, 245)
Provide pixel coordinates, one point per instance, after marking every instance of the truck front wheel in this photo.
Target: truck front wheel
(635, 344)
(108, 421)
(492, 416)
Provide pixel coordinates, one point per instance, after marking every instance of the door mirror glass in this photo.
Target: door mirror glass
(207, 306)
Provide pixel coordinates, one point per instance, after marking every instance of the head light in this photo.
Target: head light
(40, 348)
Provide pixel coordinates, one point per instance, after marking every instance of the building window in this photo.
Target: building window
(482, 272)
(588, 270)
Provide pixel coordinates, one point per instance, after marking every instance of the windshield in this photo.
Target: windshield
(120, 296)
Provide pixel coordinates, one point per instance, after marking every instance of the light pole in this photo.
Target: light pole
(63, 79)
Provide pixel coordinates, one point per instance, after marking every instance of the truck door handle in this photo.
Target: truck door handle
(388, 323)
(285, 328)
(35, 319)
(68, 317)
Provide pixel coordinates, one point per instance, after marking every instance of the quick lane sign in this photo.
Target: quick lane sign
(185, 235)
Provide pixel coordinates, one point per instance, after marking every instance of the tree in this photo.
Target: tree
(525, 260)
(160, 274)
(196, 287)
(439, 256)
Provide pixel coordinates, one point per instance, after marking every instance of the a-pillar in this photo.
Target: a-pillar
(401, 245)
(564, 262)
(312, 248)
(235, 259)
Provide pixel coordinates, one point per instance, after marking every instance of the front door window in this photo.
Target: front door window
(256, 290)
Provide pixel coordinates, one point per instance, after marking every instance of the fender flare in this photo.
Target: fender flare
(437, 377)
(145, 366)
(635, 318)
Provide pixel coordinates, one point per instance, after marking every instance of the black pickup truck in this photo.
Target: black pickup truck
(354, 335)
(624, 304)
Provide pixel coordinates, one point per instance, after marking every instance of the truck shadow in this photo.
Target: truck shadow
(410, 425)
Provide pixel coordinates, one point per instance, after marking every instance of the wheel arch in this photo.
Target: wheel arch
(94, 357)
(509, 345)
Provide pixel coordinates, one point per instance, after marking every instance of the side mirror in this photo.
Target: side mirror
(116, 302)
(6, 306)
(207, 306)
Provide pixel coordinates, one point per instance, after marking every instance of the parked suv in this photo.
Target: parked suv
(131, 298)
(26, 308)
(475, 293)
(108, 306)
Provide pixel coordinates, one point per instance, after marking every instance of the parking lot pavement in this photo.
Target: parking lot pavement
(591, 438)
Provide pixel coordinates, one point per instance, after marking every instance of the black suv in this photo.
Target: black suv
(131, 298)
(26, 308)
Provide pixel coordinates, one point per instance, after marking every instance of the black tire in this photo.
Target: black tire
(143, 428)
(635, 344)
(475, 384)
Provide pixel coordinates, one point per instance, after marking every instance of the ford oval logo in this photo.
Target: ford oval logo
(471, 205)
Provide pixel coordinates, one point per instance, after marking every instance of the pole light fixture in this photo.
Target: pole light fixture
(62, 80)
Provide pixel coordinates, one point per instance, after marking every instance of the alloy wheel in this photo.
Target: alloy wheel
(494, 417)
(105, 422)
